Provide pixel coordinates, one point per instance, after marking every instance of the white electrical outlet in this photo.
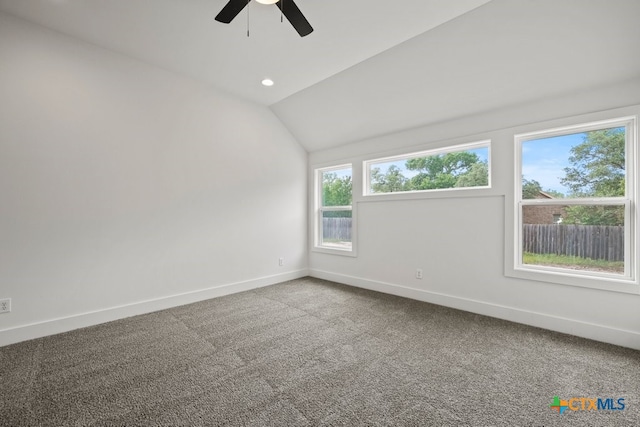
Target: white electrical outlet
(419, 273)
(5, 305)
(280, 261)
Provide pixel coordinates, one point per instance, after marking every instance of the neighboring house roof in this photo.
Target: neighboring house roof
(544, 195)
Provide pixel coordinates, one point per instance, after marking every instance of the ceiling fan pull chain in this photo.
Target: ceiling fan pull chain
(248, 8)
(281, 11)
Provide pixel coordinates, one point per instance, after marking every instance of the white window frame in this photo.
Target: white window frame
(627, 282)
(366, 168)
(319, 209)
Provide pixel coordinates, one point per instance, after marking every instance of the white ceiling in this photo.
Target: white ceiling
(182, 36)
(503, 54)
(371, 66)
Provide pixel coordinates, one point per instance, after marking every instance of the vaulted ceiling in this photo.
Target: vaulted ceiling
(371, 67)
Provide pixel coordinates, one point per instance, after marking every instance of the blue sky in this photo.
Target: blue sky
(544, 160)
(341, 173)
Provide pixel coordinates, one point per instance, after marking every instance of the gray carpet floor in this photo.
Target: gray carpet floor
(313, 353)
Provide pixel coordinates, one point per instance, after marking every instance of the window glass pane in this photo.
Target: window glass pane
(578, 165)
(458, 169)
(336, 229)
(576, 237)
(336, 187)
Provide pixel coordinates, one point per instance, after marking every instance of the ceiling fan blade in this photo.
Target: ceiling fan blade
(297, 19)
(231, 10)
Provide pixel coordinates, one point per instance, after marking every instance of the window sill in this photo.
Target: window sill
(445, 193)
(334, 251)
(561, 276)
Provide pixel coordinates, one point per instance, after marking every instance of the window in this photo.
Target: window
(334, 213)
(575, 201)
(457, 167)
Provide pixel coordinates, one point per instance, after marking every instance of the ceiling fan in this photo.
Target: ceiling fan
(287, 7)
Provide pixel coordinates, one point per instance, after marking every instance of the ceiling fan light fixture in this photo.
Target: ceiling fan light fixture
(288, 10)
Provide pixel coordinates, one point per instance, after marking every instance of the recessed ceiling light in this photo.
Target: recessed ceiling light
(267, 1)
(267, 82)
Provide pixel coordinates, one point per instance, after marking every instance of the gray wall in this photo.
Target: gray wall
(125, 188)
(459, 238)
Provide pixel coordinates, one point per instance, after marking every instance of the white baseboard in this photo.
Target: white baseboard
(65, 324)
(592, 331)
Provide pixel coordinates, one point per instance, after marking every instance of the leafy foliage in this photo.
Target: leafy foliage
(598, 170)
(390, 182)
(598, 165)
(530, 189)
(440, 171)
(336, 191)
(594, 215)
(477, 176)
(459, 169)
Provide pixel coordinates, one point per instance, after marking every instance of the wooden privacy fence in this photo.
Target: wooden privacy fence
(336, 228)
(604, 242)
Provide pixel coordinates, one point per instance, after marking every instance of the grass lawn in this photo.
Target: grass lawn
(573, 262)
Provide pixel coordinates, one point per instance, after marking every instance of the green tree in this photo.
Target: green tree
(336, 191)
(476, 176)
(594, 215)
(598, 165)
(530, 189)
(389, 182)
(440, 171)
(597, 170)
